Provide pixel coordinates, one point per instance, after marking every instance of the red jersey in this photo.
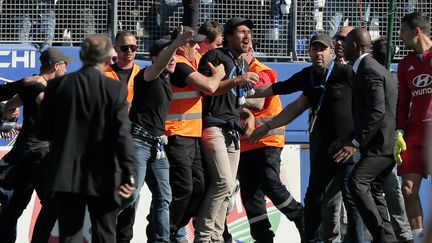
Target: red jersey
(414, 107)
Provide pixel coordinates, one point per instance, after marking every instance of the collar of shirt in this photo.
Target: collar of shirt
(358, 61)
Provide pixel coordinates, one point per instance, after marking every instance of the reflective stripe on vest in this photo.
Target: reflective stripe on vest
(186, 95)
(184, 116)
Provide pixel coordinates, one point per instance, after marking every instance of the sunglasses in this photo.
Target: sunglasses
(340, 38)
(125, 48)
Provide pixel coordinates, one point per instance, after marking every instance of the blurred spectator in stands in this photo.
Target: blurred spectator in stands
(214, 36)
(190, 13)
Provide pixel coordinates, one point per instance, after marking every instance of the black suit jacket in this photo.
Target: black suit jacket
(85, 116)
(375, 95)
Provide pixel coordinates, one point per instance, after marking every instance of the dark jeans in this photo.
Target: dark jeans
(366, 185)
(186, 179)
(323, 170)
(71, 212)
(258, 172)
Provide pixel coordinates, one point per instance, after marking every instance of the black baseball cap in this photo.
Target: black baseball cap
(159, 45)
(323, 39)
(52, 56)
(231, 24)
(196, 37)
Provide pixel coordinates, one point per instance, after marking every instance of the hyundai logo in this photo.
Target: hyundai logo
(422, 80)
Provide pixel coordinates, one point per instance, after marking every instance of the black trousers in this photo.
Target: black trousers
(186, 179)
(366, 185)
(71, 211)
(258, 173)
(125, 223)
(29, 177)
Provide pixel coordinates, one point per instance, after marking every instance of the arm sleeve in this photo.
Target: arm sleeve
(291, 85)
(203, 67)
(7, 91)
(182, 71)
(403, 101)
(46, 113)
(375, 108)
(264, 79)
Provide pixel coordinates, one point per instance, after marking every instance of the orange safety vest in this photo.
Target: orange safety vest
(184, 116)
(109, 72)
(275, 137)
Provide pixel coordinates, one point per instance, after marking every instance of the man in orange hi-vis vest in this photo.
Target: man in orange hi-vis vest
(259, 166)
(183, 127)
(124, 68)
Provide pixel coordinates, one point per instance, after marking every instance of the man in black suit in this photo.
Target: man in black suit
(92, 162)
(374, 98)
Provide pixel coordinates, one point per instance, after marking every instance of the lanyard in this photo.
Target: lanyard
(239, 70)
(321, 99)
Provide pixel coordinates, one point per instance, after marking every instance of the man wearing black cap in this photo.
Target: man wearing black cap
(184, 128)
(326, 87)
(28, 151)
(152, 97)
(221, 122)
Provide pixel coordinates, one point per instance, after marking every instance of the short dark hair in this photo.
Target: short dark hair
(211, 29)
(124, 33)
(417, 19)
(379, 50)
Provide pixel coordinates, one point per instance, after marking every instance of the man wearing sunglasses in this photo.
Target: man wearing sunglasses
(332, 206)
(124, 68)
(339, 39)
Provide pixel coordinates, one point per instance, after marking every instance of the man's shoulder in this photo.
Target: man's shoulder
(217, 53)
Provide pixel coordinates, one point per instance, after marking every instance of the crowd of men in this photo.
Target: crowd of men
(205, 113)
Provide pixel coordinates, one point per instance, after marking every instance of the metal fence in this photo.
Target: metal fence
(283, 27)
(329, 15)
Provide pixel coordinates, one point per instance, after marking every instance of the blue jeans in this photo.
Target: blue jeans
(155, 172)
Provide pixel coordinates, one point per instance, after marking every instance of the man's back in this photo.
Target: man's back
(84, 114)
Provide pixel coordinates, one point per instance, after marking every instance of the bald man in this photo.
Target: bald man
(333, 208)
(374, 98)
(339, 40)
